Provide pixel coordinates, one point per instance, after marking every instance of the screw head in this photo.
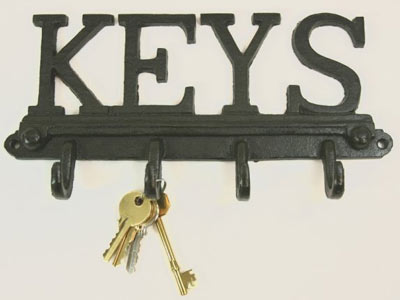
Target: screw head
(360, 137)
(31, 138)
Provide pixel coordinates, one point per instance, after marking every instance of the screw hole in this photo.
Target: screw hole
(382, 144)
(15, 144)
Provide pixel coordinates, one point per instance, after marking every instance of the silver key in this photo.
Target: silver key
(134, 245)
(133, 251)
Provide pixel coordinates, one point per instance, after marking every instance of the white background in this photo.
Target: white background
(287, 242)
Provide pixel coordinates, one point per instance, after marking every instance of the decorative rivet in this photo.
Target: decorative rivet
(360, 137)
(31, 138)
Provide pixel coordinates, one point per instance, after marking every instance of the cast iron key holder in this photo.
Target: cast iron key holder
(168, 132)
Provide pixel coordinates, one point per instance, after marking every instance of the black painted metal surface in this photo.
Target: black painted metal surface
(168, 132)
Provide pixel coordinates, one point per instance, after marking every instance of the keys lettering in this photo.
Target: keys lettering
(55, 63)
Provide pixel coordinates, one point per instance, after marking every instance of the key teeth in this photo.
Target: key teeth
(108, 249)
(121, 223)
(131, 261)
(189, 278)
(133, 251)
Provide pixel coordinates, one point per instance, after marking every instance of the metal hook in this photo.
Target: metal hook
(333, 170)
(62, 172)
(242, 172)
(152, 179)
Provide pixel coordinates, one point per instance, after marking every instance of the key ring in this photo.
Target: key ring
(164, 186)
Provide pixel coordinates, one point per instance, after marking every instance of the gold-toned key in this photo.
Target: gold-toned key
(135, 210)
(129, 236)
(183, 279)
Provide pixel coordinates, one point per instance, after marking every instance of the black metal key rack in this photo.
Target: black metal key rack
(163, 132)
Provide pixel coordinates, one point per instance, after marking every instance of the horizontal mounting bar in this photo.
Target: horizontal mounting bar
(206, 137)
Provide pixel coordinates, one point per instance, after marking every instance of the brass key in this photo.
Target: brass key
(135, 210)
(183, 279)
(132, 232)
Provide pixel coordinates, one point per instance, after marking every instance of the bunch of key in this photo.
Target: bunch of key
(137, 213)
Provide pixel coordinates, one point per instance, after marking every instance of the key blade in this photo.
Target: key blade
(184, 279)
(133, 251)
(108, 254)
(120, 253)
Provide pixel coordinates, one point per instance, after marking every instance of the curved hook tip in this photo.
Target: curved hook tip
(62, 173)
(242, 172)
(333, 171)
